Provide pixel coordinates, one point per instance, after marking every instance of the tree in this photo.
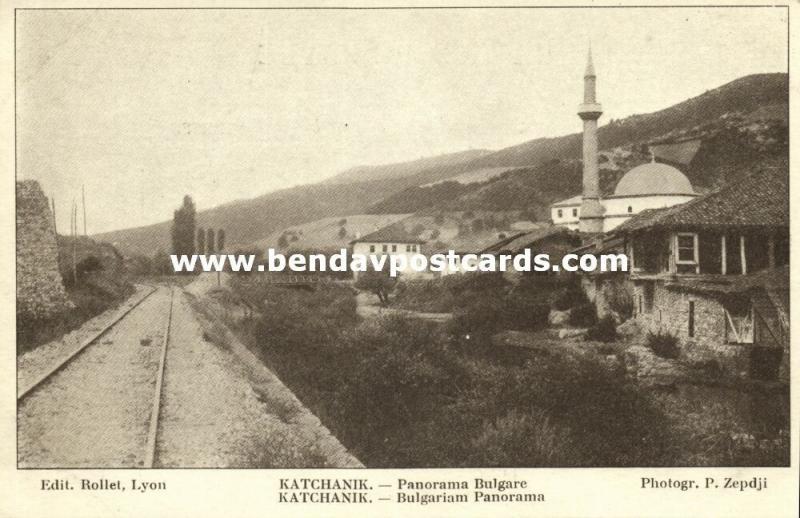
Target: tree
(201, 240)
(282, 241)
(183, 227)
(342, 232)
(210, 241)
(220, 239)
(378, 282)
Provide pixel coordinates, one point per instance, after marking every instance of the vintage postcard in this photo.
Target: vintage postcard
(398, 260)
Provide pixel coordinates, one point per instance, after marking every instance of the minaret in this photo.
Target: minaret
(591, 219)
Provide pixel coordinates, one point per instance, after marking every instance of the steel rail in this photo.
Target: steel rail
(152, 434)
(86, 343)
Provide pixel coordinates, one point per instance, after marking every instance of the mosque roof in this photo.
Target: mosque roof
(653, 179)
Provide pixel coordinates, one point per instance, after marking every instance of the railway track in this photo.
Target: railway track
(77, 384)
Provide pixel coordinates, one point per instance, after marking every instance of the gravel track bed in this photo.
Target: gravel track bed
(95, 412)
(34, 363)
(210, 414)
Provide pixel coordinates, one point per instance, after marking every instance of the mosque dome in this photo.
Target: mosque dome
(653, 179)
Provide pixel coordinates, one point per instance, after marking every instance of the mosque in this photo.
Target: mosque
(648, 186)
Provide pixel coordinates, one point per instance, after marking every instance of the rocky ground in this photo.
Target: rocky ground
(214, 414)
(95, 412)
(34, 363)
(219, 406)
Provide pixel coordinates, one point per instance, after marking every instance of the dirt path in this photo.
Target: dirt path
(211, 417)
(95, 412)
(368, 306)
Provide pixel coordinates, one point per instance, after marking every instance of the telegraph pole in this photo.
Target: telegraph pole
(83, 196)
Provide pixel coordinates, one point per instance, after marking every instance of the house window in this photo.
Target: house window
(686, 252)
(560, 213)
(575, 213)
(413, 248)
(630, 209)
(739, 322)
(408, 248)
(647, 298)
(394, 248)
(691, 319)
(372, 249)
(385, 248)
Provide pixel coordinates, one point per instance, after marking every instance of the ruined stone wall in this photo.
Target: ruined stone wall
(40, 290)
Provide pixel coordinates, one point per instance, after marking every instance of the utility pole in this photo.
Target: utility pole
(53, 210)
(83, 196)
(74, 230)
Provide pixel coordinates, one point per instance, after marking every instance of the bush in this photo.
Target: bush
(525, 312)
(584, 315)
(480, 315)
(569, 297)
(605, 330)
(87, 265)
(619, 299)
(378, 282)
(431, 296)
(663, 344)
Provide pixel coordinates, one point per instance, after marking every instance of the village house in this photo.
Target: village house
(713, 272)
(390, 241)
(556, 241)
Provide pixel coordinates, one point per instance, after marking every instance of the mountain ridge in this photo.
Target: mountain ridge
(251, 220)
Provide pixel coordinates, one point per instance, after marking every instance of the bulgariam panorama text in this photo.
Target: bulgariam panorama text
(404, 491)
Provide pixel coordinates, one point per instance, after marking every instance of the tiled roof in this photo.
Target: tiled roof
(761, 200)
(772, 280)
(519, 242)
(390, 234)
(569, 202)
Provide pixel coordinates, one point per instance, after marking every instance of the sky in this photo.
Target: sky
(144, 106)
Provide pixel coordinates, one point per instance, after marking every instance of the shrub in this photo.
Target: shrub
(605, 330)
(619, 299)
(480, 315)
(87, 265)
(584, 315)
(522, 440)
(432, 296)
(663, 344)
(525, 312)
(377, 281)
(569, 297)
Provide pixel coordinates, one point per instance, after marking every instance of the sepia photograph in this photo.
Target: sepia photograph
(194, 187)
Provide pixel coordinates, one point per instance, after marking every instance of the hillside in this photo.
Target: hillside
(248, 221)
(738, 126)
(389, 171)
(749, 128)
(327, 233)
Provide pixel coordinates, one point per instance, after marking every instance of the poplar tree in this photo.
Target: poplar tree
(183, 228)
(210, 241)
(201, 240)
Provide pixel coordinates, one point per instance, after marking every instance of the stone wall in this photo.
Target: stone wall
(670, 313)
(40, 289)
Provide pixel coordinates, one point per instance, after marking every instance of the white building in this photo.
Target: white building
(391, 240)
(648, 186)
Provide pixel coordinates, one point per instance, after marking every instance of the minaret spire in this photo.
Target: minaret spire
(589, 64)
(591, 217)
